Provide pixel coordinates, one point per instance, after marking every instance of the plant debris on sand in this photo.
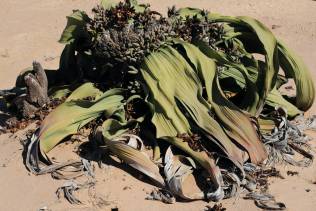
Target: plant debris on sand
(179, 98)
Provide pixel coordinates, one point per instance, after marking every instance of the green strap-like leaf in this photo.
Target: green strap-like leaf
(68, 68)
(139, 8)
(236, 124)
(275, 99)
(71, 115)
(189, 12)
(250, 104)
(264, 38)
(85, 90)
(107, 4)
(75, 27)
(59, 92)
(159, 71)
(295, 68)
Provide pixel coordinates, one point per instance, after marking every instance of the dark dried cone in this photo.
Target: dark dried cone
(122, 37)
(194, 141)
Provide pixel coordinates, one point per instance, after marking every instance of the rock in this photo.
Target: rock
(36, 95)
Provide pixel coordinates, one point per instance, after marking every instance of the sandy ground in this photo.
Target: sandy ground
(29, 30)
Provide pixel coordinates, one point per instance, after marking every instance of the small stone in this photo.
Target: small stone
(275, 26)
(5, 54)
(292, 173)
(126, 188)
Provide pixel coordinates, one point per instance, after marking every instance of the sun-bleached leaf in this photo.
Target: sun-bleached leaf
(129, 148)
(177, 169)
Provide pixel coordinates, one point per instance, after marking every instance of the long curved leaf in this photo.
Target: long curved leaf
(260, 36)
(71, 115)
(107, 4)
(295, 68)
(236, 124)
(159, 71)
(135, 157)
(75, 27)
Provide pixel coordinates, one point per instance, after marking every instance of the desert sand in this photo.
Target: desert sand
(30, 29)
